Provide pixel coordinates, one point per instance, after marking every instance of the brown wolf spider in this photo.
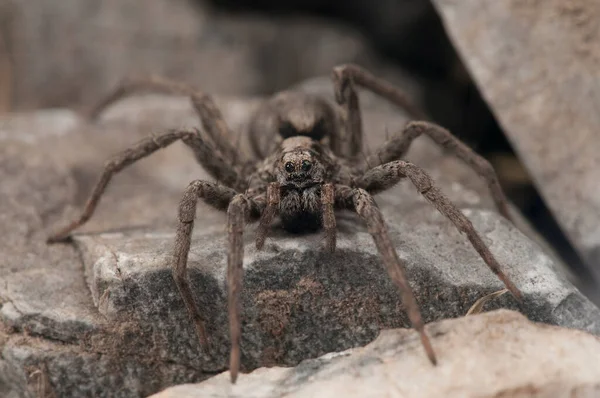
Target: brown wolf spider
(312, 171)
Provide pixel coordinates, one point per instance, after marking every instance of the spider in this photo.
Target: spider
(311, 169)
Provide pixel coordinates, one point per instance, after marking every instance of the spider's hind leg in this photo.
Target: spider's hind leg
(205, 150)
(345, 78)
(134, 85)
(363, 204)
(387, 175)
(210, 116)
(398, 146)
(347, 97)
(126, 158)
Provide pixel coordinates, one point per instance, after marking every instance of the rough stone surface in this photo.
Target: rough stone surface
(49, 326)
(300, 302)
(537, 63)
(497, 354)
(68, 53)
(131, 335)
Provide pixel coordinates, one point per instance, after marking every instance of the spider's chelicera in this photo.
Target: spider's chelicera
(305, 165)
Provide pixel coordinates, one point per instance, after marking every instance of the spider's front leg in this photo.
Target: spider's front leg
(273, 197)
(361, 202)
(386, 176)
(328, 203)
(217, 196)
(327, 211)
(240, 209)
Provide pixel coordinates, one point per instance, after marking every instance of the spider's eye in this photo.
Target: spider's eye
(289, 167)
(306, 165)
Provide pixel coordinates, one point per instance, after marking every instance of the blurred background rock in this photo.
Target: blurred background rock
(69, 53)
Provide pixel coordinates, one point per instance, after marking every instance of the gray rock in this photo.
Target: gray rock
(15, 380)
(497, 354)
(123, 369)
(537, 67)
(52, 338)
(300, 302)
(12, 382)
(131, 335)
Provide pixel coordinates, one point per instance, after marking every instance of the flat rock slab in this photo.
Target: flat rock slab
(537, 65)
(300, 302)
(496, 354)
(102, 317)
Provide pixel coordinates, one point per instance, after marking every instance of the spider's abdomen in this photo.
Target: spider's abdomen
(300, 210)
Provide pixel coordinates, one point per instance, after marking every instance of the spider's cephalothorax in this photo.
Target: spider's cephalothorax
(301, 172)
(305, 166)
